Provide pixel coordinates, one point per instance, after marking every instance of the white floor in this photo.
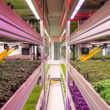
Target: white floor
(54, 61)
(54, 71)
(55, 100)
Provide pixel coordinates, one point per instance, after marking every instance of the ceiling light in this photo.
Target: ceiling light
(77, 8)
(63, 32)
(47, 33)
(29, 2)
(49, 39)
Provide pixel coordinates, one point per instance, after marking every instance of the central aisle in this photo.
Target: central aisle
(54, 71)
(55, 100)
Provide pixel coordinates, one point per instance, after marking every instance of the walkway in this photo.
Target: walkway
(55, 101)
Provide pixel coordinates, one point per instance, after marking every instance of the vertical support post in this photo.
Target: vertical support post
(60, 51)
(49, 49)
(93, 46)
(43, 69)
(69, 107)
(79, 22)
(79, 51)
(49, 52)
(73, 52)
(31, 52)
(68, 78)
(104, 51)
(37, 53)
(67, 59)
(52, 51)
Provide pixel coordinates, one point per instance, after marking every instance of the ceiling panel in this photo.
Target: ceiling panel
(55, 8)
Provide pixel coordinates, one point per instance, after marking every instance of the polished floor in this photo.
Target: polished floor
(55, 100)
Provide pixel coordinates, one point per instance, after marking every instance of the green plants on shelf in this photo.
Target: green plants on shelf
(47, 82)
(46, 68)
(13, 73)
(63, 83)
(1, 61)
(64, 70)
(97, 72)
(93, 71)
(46, 71)
(33, 99)
(103, 88)
(73, 26)
(100, 57)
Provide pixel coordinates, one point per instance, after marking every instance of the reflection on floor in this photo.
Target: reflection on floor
(55, 100)
(54, 71)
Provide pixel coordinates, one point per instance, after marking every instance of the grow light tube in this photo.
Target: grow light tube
(49, 39)
(29, 2)
(63, 32)
(47, 33)
(77, 8)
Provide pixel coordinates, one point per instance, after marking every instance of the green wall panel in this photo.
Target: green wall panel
(57, 50)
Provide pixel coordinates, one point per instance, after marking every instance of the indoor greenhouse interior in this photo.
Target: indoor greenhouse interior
(54, 54)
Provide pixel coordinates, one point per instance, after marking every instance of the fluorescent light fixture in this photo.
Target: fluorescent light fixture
(47, 33)
(63, 32)
(29, 2)
(77, 8)
(60, 39)
(49, 39)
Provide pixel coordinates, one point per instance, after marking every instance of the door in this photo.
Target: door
(56, 50)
